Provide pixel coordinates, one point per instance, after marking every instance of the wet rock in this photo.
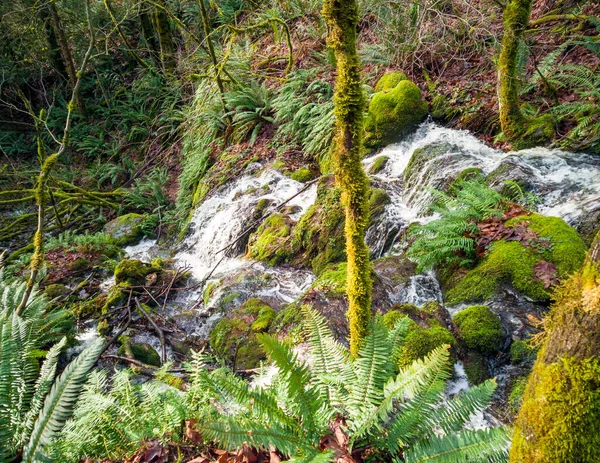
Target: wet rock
(126, 229)
(512, 169)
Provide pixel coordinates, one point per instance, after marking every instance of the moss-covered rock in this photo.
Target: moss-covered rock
(522, 352)
(272, 242)
(332, 278)
(56, 290)
(302, 175)
(566, 249)
(379, 165)
(476, 368)
(132, 272)
(126, 229)
(142, 352)
(517, 391)
(234, 339)
(319, 235)
(393, 114)
(389, 81)
(514, 263)
(480, 329)
(419, 342)
(80, 264)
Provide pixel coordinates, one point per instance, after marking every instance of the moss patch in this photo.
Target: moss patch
(419, 342)
(234, 340)
(126, 229)
(522, 352)
(132, 272)
(480, 329)
(145, 353)
(389, 81)
(302, 175)
(333, 278)
(319, 235)
(379, 165)
(272, 242)
(566, 248)
(56, 290)
(475, 368)
(394, 114)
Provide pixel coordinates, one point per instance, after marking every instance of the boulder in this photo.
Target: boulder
(126, 229)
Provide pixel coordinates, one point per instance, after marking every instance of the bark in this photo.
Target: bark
(55, 55)
(149, 36)
(516, 18)
(65, 51)
(560, 416)
(342, 17)
(162, 25)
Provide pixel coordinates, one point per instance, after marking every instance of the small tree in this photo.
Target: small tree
(342, 18)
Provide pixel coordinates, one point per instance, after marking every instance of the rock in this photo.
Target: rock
(529, 268)
(476, 368)
(302, 175)
(393, 112)
(272, 242)
(421, 341)
(480, 329)
(133, 272)
(234, 340)
(511, 168)
(389, 81)
(319, 234)
(379, 165)
(56, 290)
(142, 352)
(125, 230)
(589, 223)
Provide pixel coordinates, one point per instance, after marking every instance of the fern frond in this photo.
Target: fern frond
(478, 446)
(59, 403)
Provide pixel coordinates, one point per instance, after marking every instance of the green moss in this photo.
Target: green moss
(318, 238)
(209, 292)
(272, 242)
(302, 175)
(377, 202)
(558, 421)
(104, 328)
(419, 342)
(80, 264)
(115, 298)
(333, 278)
(234, 340)
(391, 318)
(475, 368)
(379, 165)
(394, 114)
(507, 262)
(126, 229)
(480, 329)
(289, 323)
(517, 391)
(441, 109)
(536, 131)
(567, 249)
(145, 353)
(522, 352)
(132, 272)
(389, 81)
(56, 290)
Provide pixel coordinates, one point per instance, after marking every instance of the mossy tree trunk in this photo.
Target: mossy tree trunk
(342, 17)
(162, 25)
(55, 55)
(560, 417)
(516, 18)
(149, 35)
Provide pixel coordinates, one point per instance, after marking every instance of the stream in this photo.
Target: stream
(567, 185)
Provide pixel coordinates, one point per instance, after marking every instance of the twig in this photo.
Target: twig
(161, 335)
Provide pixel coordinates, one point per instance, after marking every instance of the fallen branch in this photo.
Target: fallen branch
(161, 334)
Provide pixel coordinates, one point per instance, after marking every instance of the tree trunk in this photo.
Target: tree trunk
(66, 53)
(516, 18)
(149, 36)
(55, 55)
(162, 25)
(560, 417)
(342, 18)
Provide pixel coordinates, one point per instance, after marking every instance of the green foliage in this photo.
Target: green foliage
(480, 329)
(113, 417)
(250, 108)
(304, 112)
(34, 403)
(553, 75)
(449, 239)
(522, 352)
(397, 414)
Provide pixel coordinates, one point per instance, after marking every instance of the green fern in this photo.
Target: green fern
(250, 108)
(401, 414)
(450, 238)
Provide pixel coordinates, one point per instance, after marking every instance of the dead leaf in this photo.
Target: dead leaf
(200, 459)
(546, 272)
(191, 432)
